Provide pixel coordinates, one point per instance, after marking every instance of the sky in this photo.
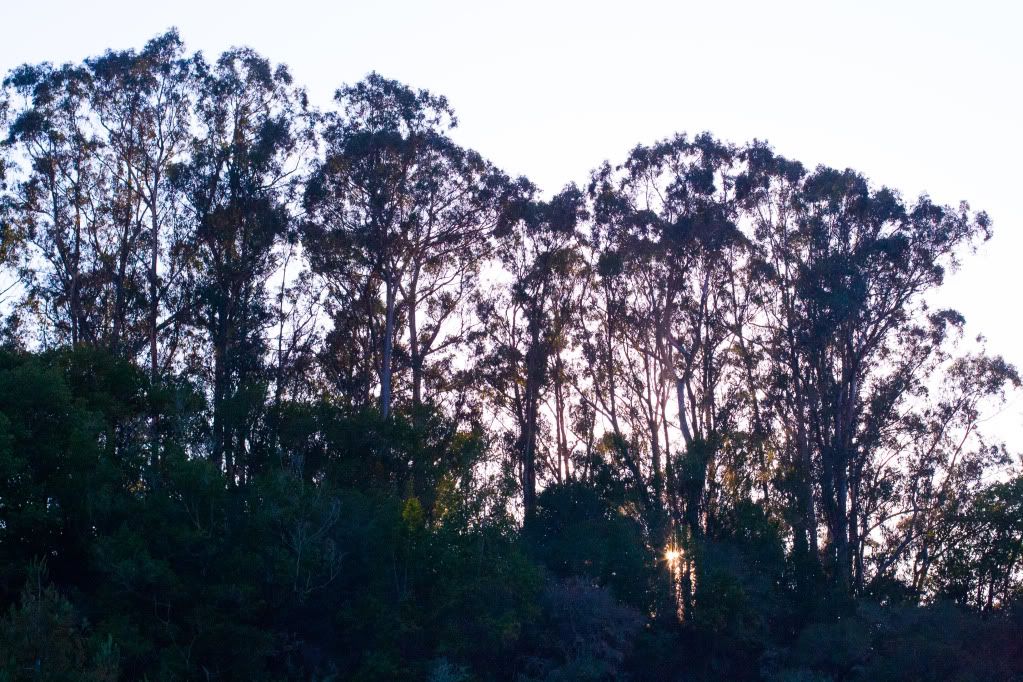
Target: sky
(918, 96)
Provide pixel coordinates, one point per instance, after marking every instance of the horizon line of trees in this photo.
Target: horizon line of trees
(708, 343)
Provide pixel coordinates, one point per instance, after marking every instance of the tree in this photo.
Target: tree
(237, 183)
(56, 204)
(847, 268)
(531, 322)
(980, 564)
(142, 105)
(97, 140)
(43, 638)
(400, 222)
(666, 225)
(370, 409)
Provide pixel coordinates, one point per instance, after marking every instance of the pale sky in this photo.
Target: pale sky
(920, 96)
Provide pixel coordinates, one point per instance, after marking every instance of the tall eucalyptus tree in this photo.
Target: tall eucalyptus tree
(237, 184)
(142, 106)
(848, 333)
(400, 220)
(665, 231)
(56, 201)
(530, 322)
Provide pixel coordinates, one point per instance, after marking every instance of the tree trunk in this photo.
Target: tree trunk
(219, 384)
(385, 364)
(154, 311)
(154, 287)
(414, 350)
(534, 359)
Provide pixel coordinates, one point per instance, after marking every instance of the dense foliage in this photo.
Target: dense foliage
(299, 394)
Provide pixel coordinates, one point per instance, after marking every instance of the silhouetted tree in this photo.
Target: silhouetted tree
(400, 221)
(291, 395)
(530, 323)
(846, 269)
(236, 183)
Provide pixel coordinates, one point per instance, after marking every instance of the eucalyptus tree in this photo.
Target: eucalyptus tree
(142, 106)
(767, 192)
(846, 269)
(531, 320)
(937, 463)
(665, 231)
(982, 565)
(240, 175)
(92, 144)
(399, 223)
(56, 203)
(11, 240)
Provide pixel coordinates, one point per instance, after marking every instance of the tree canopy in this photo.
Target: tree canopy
(322, 394)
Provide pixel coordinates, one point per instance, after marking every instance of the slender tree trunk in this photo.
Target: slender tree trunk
(560, 418)
(385, 364)
(154, 286)
(855, 544)
(154, 311)
(76, 303)
(220, 385)
(805, 488)
(534, 359)
(414, 350)
(843, 567)
(123, 252)
(680, 392)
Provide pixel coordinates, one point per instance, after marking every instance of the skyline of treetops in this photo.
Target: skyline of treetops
(291, 392)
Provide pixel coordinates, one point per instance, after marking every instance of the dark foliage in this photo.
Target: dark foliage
(293, 394)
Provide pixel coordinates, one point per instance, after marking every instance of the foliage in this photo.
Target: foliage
(300, 394)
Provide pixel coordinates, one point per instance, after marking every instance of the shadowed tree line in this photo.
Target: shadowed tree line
(301, 393)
